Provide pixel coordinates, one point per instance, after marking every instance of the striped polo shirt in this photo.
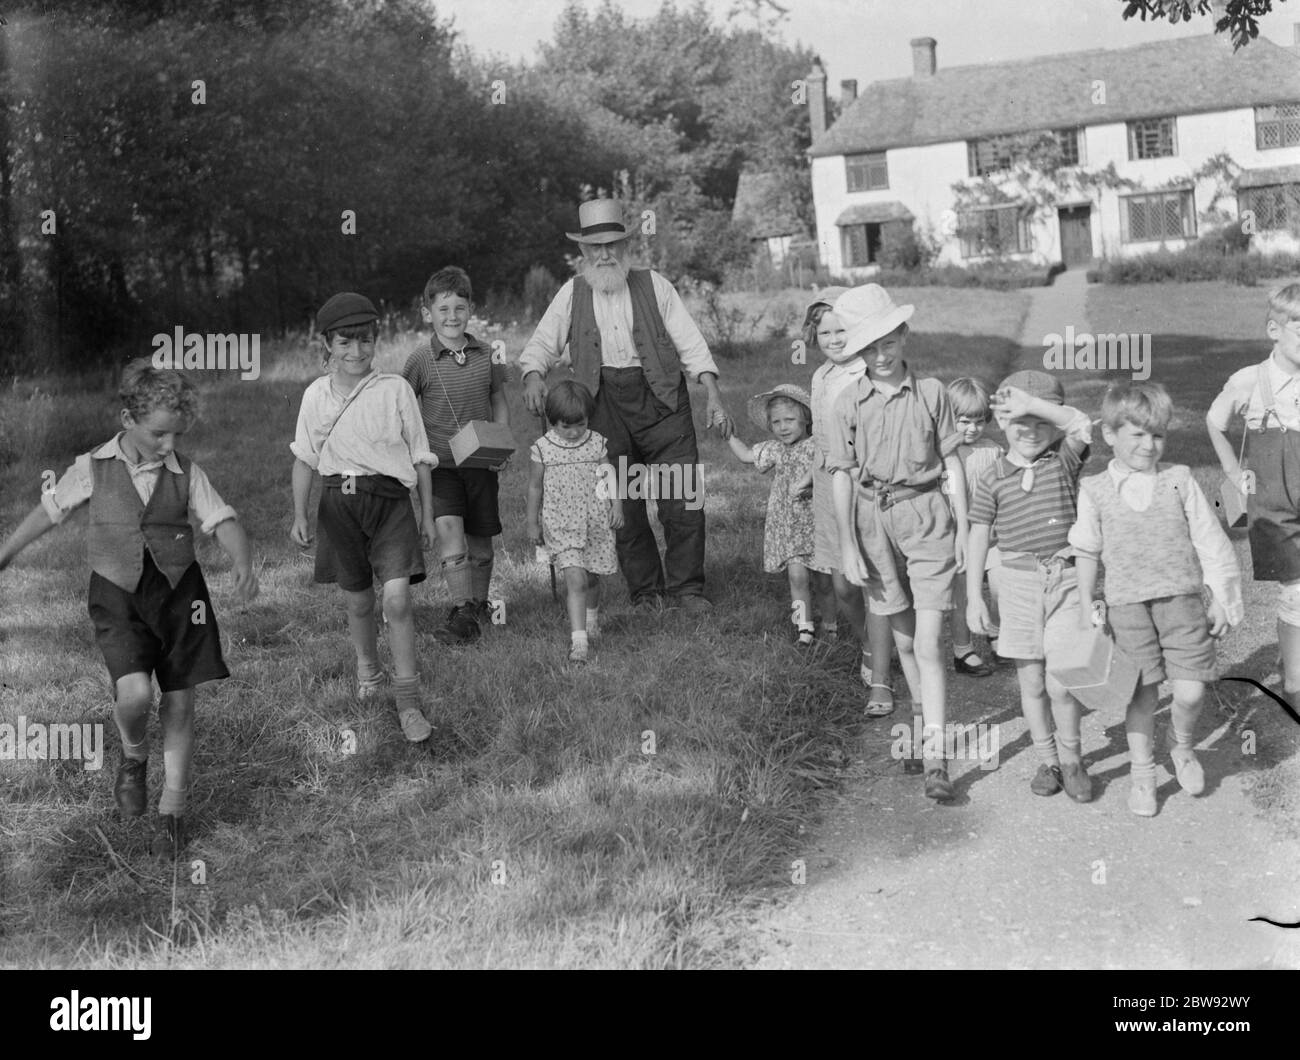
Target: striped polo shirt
(1037, 520)
(452, 394)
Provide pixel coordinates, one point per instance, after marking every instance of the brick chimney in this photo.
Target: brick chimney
(923, 56)
(848, 92)
(817, 99)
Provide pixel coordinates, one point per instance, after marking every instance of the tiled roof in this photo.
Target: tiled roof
(1259, 178)
(1186, 76)
(874, 213)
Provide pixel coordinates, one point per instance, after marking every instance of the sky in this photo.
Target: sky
(868, 39)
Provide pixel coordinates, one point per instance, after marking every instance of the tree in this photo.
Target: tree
(1240, 17)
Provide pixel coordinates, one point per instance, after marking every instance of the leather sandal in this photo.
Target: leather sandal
(976, 669)
(877, 706)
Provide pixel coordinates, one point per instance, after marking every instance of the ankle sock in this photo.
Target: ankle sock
(593, 621)
(407, 692)
(830, 629)
(1046, 751)
(367, 671)
(1070, 750)
(958, 650)
(578, 636)
(480, 573)
(806, 631)
(137, 752)
(457, 573)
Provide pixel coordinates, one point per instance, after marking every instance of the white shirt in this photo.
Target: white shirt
(1240, 395)
(614, 320)
(381, 432)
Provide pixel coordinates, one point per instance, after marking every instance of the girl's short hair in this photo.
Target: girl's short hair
(969, 398)
(1284, 304)
(1145, 405)
(569, 402)
(815, 315)
(779, 401)
(145, 388)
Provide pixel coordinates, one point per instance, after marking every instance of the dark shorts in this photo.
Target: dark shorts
(471, 494)
(1168, 637)
(366, 533)
(157, 629)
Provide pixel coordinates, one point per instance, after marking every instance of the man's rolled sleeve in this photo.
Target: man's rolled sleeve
(692, 350)
(413, 432)
(302, 445)
(542, 352)
(945, 426)
(1224, 407)
(1085, 534)
(841, 451)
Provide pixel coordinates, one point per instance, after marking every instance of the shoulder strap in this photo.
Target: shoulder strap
(347, 405)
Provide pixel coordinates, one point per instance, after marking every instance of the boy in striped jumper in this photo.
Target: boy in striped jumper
(1028, 498)
(456, 379)
(1159, 541)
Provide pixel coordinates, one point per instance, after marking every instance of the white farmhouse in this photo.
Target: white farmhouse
(1135, 149)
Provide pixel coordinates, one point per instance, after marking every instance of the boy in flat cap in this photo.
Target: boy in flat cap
(362, 431)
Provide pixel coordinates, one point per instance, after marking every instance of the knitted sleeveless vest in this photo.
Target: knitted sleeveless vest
(1147, 554)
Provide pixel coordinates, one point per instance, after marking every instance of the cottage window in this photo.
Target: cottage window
(1071, 141)
(1164, 215)
(990, 154)
(1152, 138)
(1277, 126)
(860, 244)
(992, 230)
(866, 172)
(1275, 208)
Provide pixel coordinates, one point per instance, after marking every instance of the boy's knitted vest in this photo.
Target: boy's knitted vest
(1147, 555)
(122, 526)
(659, 359)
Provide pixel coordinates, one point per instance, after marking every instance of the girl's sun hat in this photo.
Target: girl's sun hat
(826, 296)
(757, 406)
(868, 313)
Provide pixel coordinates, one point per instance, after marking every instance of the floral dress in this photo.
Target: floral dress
(575, 502)
(788, 532)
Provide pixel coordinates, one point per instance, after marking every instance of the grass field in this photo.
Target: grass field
(534, 831)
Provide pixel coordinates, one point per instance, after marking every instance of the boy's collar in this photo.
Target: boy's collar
(905, 382)
(1006, 466)
(439, 347)
(1119, 472)
(113, 448)
(1277, 369)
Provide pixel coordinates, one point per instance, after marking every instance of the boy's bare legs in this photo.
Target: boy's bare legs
(1139, 728)
(458, 571)
(916, 633)
(361, 630)
(575, 586)
(131, 708)
(1069, 742)
(801, 600)
(480, 569)
(401, 642)
(850, 599)
(1036, 708)
(176, 712)
(880, 641)
(1188, 696)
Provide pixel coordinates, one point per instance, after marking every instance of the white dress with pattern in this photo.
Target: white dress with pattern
(575, 508)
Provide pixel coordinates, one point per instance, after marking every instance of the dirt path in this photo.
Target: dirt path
(1002, 878)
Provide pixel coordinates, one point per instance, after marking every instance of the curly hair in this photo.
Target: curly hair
(145, 388)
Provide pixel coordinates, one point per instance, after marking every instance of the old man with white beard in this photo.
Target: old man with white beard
(633, 344)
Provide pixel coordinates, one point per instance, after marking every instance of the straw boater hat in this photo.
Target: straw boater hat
(758, 403)
(868, 313)
(826, 296)
(601, 221)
